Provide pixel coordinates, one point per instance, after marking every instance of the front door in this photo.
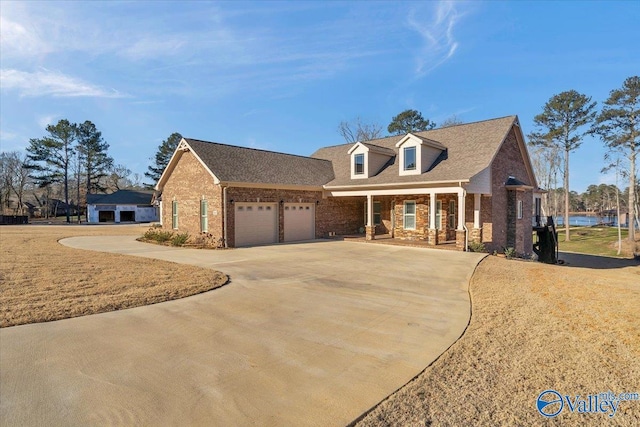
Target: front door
(451, 220)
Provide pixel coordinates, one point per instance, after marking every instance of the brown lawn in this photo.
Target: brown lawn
(41, 280)
(534, 327)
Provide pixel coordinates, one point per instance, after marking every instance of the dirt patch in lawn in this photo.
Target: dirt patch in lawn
(41, 280)
(534, 327)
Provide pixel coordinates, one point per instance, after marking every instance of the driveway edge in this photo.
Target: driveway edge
(368, 411)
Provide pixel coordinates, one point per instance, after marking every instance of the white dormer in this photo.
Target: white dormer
(368, 159)
(417, 154)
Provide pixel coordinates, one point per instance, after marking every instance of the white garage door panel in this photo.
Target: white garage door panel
(299, 221)
(256, 223)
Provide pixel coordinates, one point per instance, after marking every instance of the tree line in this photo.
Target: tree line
(58, 170)
(560, 128)
(407, 121)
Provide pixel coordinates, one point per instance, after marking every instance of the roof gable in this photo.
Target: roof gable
(229, 164)
(420, 140)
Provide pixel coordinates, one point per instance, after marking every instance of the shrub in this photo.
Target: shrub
(477, 247)
(510, 253)
(179, 239)
(207, 240)
(159, 236)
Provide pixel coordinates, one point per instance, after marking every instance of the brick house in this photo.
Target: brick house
(470, 182)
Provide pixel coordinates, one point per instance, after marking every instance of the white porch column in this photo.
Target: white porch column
(432, 211)
(461, 209)
(369, 210)
(476, 210)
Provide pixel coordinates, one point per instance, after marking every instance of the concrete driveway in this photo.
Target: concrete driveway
(305, 334)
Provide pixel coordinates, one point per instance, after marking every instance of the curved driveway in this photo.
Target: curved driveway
(305, 334)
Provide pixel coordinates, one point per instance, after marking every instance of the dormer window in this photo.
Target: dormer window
(358, 164)
(410, 158)
(417, 154)
(368, 159)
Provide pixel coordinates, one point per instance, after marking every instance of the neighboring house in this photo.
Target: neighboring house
(121, 206)
(471, 182)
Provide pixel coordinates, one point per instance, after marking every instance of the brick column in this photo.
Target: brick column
(432, 237)
(370, 232)
(460, 240)
(475, 235)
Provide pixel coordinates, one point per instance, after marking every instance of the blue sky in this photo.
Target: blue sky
(281, 76)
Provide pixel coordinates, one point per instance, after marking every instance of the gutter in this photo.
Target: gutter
(397, 184)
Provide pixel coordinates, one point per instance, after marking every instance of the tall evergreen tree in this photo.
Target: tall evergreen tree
(618, 127)
(95, 162)
(409, 121)
(163, 155)
(559, 125)
(50, 157)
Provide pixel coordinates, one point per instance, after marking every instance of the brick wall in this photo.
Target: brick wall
(508, 162)
(421, 231)
(340, 215)
(266, 195)
(188, 184)
(524, 235)
(422, 217)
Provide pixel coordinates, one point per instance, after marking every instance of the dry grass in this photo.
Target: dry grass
(41, 280)
(533, 327)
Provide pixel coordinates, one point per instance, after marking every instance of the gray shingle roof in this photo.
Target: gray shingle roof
(121, 197)
(248, 165)
(379, 148)
(470, 149)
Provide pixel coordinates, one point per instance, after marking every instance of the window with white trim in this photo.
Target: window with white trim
(174, 214)
(438, 214)
(377, 217)
(519, 209)
(452, 214)
(409, 219)
(358, 164)
(409, 158)
(204, 223)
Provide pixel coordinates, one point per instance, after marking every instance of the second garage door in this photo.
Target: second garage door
(299, 221)
(256, 223)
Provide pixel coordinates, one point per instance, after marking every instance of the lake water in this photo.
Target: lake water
(587, 220)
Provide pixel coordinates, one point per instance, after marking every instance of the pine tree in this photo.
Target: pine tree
(409, 121)
(94, 160)
(618, 127)
(163, 155)
(50, 157)
(559, 126)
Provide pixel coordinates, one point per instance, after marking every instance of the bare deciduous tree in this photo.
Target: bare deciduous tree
(357, 130)
(452, 120)
(15, 176)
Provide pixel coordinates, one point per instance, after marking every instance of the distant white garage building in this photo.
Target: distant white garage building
(121, 206)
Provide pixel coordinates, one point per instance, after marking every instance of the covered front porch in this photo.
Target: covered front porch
(431, 216)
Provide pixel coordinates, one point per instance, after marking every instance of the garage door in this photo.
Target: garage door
(299, 221)
(256, 223)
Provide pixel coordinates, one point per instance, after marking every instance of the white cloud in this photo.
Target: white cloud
(21, 40)
(439, 43)
(51, 83)
(6, 136)
(44, 121)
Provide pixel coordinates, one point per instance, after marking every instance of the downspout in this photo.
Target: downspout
(466, 237)
(224, 216)
(464, 223)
